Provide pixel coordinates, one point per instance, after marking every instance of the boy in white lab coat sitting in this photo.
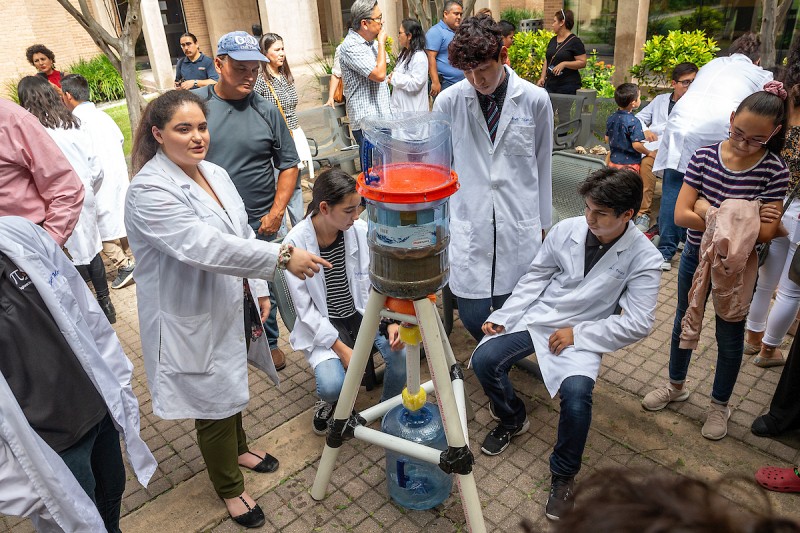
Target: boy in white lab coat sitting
(565, 309)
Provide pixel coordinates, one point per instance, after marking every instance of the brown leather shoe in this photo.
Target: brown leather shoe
(279, 358)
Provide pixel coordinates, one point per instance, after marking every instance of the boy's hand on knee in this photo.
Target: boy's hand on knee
(490, 328)
(561, 339)
(394, 337)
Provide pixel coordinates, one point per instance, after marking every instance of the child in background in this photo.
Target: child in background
(741, 167)
(507, 30)
(624, 133)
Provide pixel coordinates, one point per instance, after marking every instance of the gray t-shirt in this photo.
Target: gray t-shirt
(248, 137)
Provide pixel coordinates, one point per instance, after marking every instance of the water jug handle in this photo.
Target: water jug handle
(402, 480)
(366, 162)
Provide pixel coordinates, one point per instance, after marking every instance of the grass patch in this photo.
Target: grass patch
(120, 115)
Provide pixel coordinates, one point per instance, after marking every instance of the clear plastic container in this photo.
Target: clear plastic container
(406, 182)
(412, 483)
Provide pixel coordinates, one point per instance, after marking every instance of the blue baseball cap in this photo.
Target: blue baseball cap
(241, 46)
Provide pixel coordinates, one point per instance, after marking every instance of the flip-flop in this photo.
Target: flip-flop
(778, 479)
(767, 362)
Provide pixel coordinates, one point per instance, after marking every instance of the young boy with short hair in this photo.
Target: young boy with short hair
(565, 308)
(624, 133)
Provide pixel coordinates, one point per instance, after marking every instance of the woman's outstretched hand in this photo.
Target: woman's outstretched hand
(305, 264)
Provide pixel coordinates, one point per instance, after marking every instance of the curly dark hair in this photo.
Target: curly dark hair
(42, 101)
(477, 40)
(39, 49)
(791, 81)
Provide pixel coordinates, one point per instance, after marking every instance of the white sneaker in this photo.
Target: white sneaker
(642, 223)
(681, 244)
(658, 399)
(666, 266)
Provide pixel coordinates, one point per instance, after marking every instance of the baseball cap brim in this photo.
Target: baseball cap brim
(248, 55)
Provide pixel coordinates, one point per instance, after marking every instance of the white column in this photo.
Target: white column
(157, 50)
(631, 34)
(298, 25)
(337, 24)
(390, 21)
(494, 5)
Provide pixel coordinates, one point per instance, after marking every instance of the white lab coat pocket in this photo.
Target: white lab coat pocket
(519, 141)
(186, 344)
(529, 239)
(460, 242)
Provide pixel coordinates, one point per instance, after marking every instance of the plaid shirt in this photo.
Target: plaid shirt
(364, 96)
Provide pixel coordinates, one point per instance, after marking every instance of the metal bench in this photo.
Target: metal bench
(568, 171)
(573, 116)
(329, 143)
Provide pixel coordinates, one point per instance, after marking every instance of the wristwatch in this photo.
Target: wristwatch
(195, 86)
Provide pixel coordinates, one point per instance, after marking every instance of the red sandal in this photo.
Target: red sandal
(779, 479)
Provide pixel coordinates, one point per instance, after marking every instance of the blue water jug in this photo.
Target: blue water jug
(412, 483)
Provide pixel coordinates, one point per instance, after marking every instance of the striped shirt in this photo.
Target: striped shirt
(338, 297)
(766, 180)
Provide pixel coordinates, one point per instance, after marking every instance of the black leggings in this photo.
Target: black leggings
(96, 273)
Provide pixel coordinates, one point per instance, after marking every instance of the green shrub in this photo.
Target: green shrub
(526, 55)
(514, 15)
(662, 53)
(105, 82)
(11, 90)
(706, 19)
(597, 75)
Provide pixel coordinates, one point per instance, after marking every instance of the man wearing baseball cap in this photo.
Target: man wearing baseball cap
(249, 139)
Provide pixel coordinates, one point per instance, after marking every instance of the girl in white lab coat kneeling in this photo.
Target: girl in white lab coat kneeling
(330, 307)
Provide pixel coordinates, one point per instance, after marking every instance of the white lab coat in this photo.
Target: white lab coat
(313, 333)
(510, 181)
(107, 140)
(34, 481)
(554, 294)
(191, 256)
(654, 118)
(410, 85)
(702, 116)
(84, 243)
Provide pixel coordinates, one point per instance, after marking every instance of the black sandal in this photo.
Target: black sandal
(268, 464)
(254, 517)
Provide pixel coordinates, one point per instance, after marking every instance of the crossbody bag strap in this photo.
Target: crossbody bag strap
(277, 101)
(790, 198)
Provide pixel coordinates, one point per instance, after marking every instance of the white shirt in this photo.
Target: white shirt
(410, 84)
(654, 118)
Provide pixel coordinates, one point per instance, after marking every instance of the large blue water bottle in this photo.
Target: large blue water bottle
(413, 483)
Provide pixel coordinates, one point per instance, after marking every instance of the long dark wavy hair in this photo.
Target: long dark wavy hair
(416, 36)
(158, 113)
(41, 99)
(267, 40)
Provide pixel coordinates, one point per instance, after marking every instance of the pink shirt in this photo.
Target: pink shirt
(36, 180)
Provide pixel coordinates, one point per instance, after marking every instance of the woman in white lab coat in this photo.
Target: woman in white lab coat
(330, 307)
(84, 245)
(34, 480)
(409, 80)
(198, 316)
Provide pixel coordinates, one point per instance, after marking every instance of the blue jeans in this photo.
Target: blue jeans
(271, 325)
(96, 462)
(475, 311)
(329, 374)
(670, 234)
(730, 337)
(491, 363)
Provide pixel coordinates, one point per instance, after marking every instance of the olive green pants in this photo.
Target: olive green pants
(221, 443)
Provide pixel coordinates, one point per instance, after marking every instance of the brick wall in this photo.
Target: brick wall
(550, 7)
(39, 21)
(196, 23)
(533, 5)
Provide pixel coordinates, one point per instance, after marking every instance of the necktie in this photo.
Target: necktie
(492, 117)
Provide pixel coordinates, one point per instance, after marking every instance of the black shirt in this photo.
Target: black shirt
(338, 297)
(57, 397)
(569, 80)
(595, 250)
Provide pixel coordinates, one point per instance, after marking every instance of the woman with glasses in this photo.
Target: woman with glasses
(743, 167)
(564, 57)
(409, 80)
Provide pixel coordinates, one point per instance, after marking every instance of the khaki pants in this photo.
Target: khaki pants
(116, 251)
(650, 184)
(221, 443)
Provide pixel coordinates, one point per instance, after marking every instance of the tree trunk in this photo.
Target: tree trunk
(136, 103)
(768, 33)
(469, 7)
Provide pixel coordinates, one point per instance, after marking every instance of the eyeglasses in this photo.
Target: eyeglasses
(376, 19)
(685, 83)
(738, 137)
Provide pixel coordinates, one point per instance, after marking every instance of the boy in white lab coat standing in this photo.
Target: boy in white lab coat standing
(565, 310)
(502, 128)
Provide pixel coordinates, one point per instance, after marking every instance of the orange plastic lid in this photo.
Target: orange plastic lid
(409, 183)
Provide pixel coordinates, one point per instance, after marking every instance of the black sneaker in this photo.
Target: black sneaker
(499, 438)
(108, 308)
(322, 417)
(561, 499)
(124, 276)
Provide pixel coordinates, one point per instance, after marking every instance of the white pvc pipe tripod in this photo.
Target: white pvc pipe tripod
(449, 395)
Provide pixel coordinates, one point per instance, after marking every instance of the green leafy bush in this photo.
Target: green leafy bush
(597, 75)
(526, 55)
(105, 82)
(514, 15)
(706, 19)
(11, 90)
(662, 53)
